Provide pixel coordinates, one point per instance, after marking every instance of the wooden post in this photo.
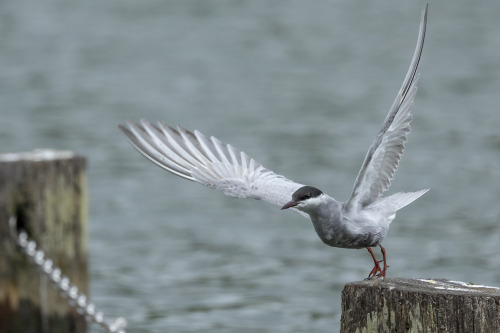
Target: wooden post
(47, 191)
(419, 305)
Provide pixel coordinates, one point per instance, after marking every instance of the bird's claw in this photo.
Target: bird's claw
(377, 272)
(376, 269)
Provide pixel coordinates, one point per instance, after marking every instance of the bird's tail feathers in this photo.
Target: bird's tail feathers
(401, 199)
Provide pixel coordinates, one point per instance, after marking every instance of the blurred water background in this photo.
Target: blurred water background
(301, 86)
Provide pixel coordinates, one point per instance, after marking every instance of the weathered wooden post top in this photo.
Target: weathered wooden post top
(419, 305)
(46, 191)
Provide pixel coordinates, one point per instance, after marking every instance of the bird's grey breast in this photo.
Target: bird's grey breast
(336, 229)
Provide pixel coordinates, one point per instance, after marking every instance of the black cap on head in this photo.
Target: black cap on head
(303, 193)
(306, 192)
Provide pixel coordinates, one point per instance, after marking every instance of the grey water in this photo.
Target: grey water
(303, 88)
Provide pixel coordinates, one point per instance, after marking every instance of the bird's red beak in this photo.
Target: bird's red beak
(289, 205)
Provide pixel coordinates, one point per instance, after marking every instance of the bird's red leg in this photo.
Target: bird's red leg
(376, 268)
(384, 270)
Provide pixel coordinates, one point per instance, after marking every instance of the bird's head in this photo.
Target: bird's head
(305, 199)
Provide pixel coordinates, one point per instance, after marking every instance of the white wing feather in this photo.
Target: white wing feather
(206, 160)
(384, 154)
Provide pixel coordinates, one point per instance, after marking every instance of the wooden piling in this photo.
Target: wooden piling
(47, 192)
(419, 305)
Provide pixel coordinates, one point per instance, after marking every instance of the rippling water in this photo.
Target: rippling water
(301, 86)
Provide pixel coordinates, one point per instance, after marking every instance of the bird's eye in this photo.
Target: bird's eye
(305, 197)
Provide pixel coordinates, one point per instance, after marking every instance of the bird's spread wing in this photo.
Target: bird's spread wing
(206, 160)
(384, 154)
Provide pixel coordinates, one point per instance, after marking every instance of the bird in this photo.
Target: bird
(362, 221)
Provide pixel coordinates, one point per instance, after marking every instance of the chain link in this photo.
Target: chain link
(70, 292)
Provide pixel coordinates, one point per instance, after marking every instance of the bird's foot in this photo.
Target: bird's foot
(377, 272)
(382, 272)
(376, 269)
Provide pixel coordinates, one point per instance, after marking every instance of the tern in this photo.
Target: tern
(360, 222)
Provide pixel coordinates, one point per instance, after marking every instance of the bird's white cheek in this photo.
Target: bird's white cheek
(304, 208)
